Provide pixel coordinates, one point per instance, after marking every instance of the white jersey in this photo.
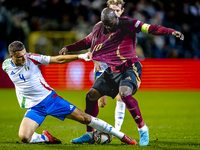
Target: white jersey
(103, 65)
(30, 86)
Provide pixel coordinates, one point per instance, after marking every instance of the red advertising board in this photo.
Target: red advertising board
(157, 74)
(171, 74)
(76, 75)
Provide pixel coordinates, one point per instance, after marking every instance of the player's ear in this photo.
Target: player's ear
(122, 10)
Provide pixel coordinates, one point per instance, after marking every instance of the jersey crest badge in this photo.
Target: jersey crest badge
(26, 68)
(110, 36)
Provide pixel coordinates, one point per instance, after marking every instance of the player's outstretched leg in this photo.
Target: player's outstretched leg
(92, 109)
(52, 140)
(106, 128)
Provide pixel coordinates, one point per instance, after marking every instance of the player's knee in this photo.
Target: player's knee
(92, 95)
(124, 91)
(102, 104)
(24, 138)
(88, 97)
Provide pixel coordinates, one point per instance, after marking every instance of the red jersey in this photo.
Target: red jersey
(117, 49)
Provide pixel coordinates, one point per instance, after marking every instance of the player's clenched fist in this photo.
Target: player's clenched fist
(63, 51)
(178, 35)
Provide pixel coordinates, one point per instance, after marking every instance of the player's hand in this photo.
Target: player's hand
(63, 51)
(178, 35)
(90, 55)
(97, 66)
(84, 56)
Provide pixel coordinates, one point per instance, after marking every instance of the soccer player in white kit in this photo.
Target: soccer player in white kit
(40, 100)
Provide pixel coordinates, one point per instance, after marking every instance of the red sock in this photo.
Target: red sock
(92, 109)
(132, 106)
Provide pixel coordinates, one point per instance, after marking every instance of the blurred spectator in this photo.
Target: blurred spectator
(3, 49)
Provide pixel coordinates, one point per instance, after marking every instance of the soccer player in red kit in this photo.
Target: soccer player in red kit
(113, 41)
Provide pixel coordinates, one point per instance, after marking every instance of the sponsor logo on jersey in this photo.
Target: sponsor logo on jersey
(110, 36)
(137, 117)
(128, 78)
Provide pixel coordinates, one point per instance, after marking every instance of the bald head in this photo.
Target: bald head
(109, 19)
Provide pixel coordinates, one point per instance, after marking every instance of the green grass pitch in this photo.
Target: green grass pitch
(173, 119)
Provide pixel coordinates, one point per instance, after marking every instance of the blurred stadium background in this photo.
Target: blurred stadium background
(45, 26)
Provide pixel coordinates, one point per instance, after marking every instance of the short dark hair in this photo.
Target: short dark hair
(15, 46)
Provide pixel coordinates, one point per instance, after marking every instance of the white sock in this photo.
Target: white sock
(90, 134)
(38, 138)
(105, 127)
(144, 128)
(119, 114)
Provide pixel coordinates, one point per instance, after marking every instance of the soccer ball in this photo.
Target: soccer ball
(102, 138)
